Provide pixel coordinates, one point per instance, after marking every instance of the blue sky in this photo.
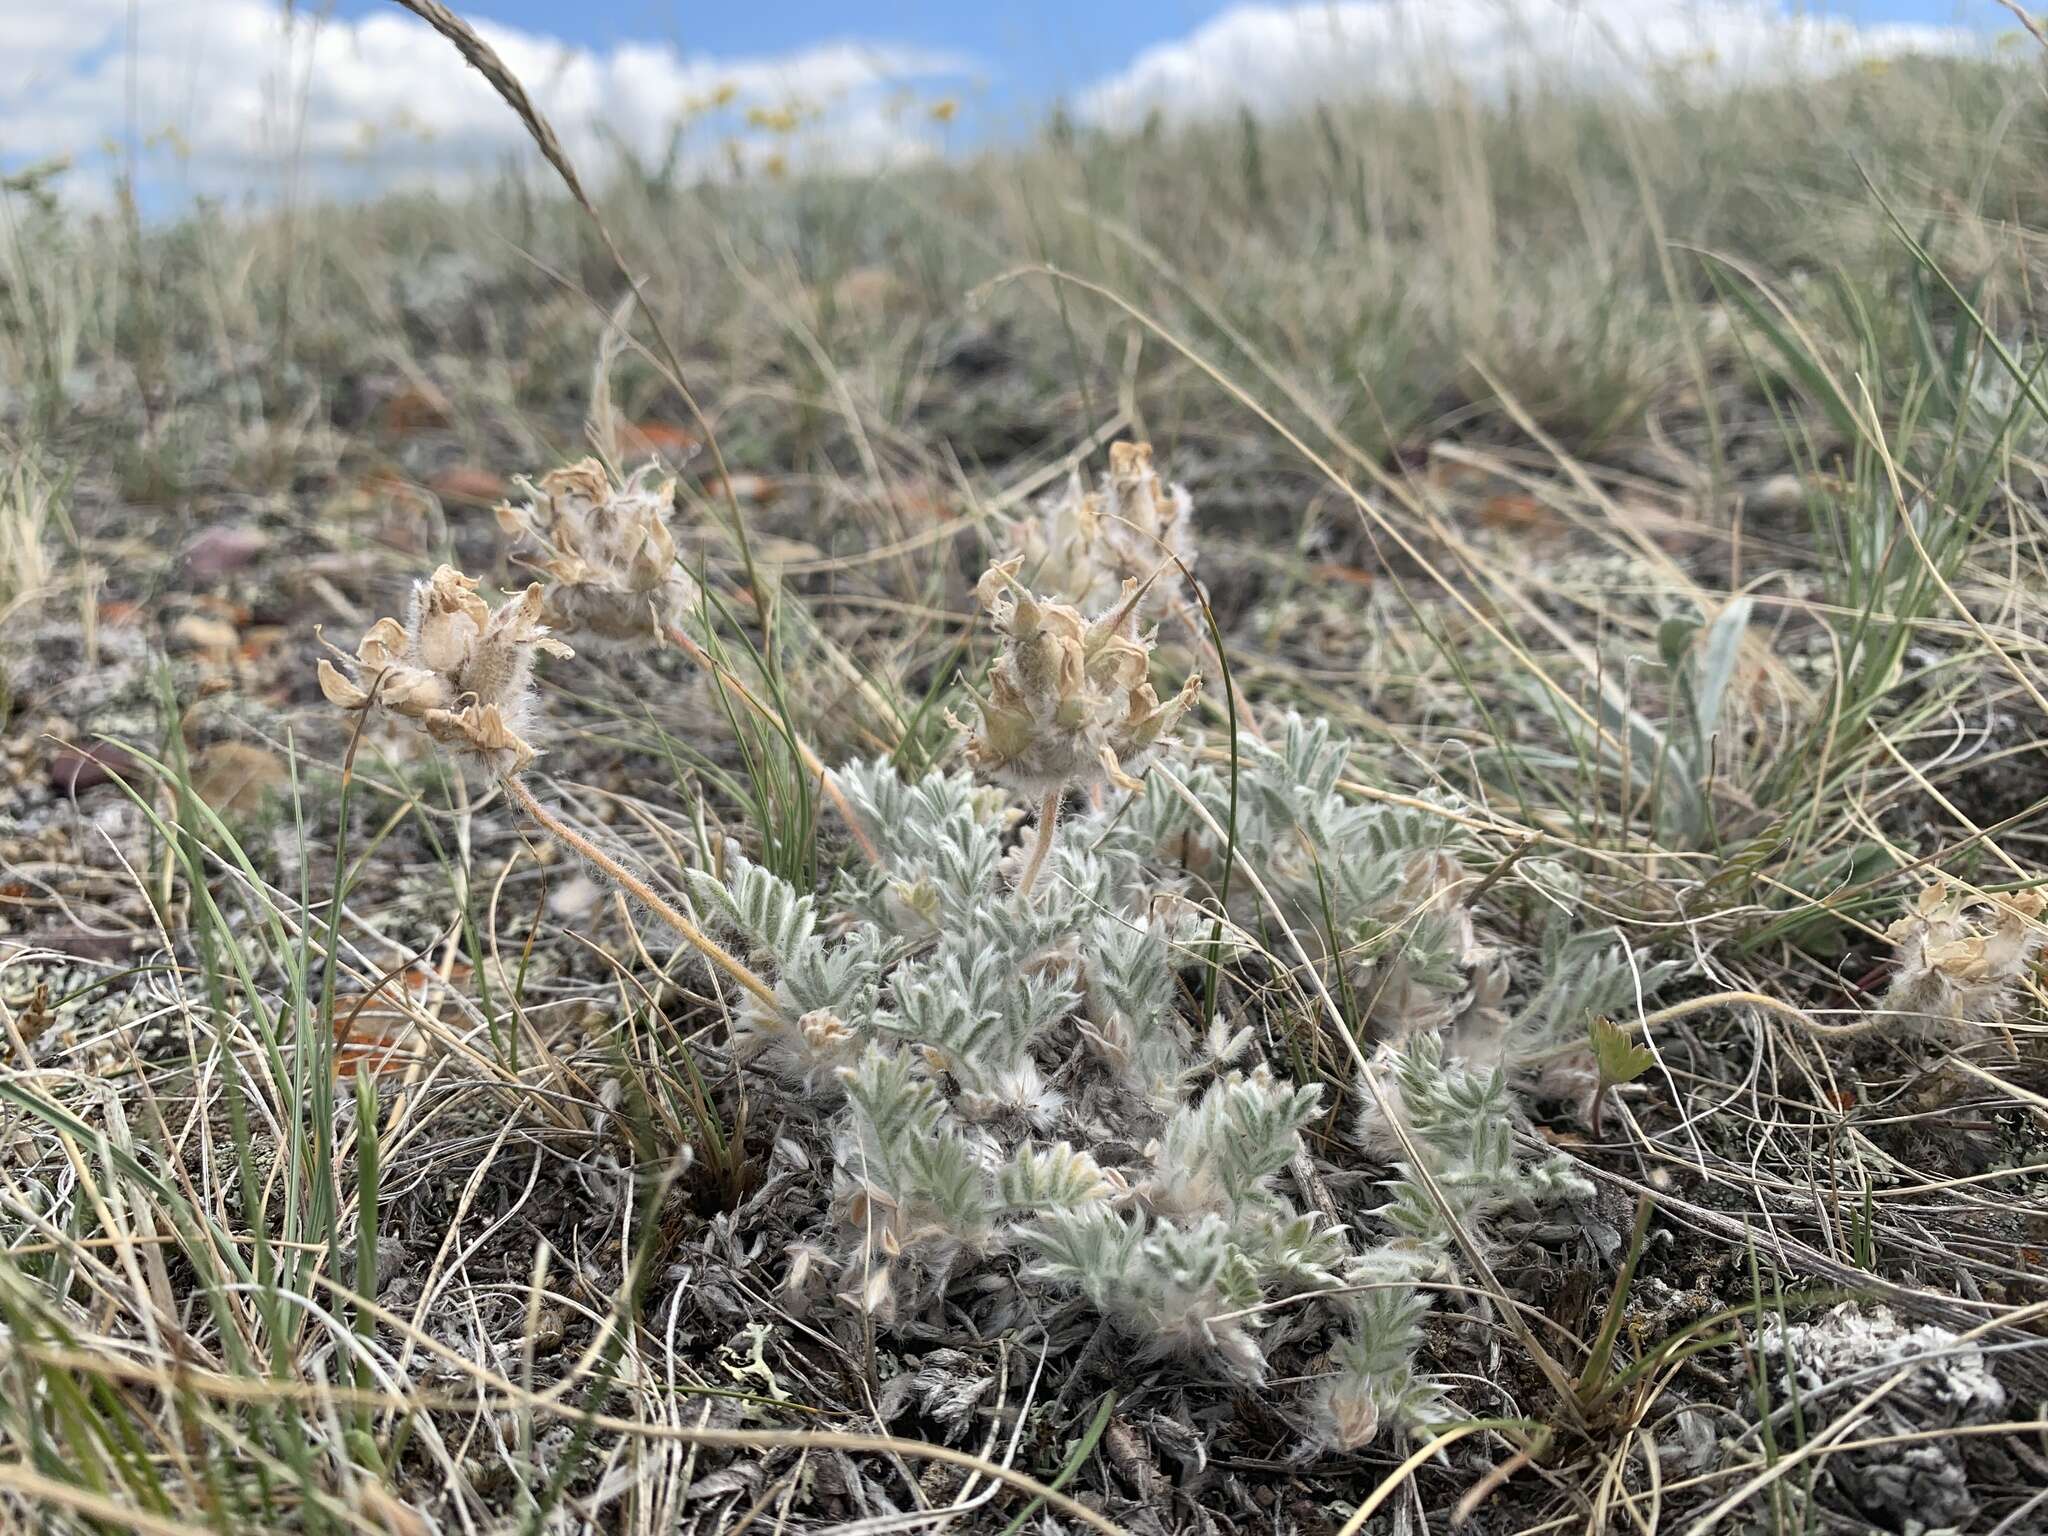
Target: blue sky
(1030, 54)
(241, 98)
(1044, 31)
(1038, 51)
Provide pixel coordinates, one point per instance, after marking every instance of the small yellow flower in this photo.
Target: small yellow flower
(456, 669)
(168, 137)
(945, 111)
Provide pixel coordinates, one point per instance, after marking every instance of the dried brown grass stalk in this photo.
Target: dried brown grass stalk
(640, 891)
(483, 58)
(2033, 27)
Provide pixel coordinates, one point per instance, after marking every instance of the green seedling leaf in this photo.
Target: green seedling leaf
(1674, 639)
(1616, 1055)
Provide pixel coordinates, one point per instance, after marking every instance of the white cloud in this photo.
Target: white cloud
(229, 95)
(1275, 59)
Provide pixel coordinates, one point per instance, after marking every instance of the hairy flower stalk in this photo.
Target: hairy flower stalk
(462, 674)
(1070, 700)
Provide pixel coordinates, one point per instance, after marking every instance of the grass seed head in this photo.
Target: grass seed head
(456, 669)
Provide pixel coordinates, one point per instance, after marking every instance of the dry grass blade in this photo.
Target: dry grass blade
(483, 58)
(2033, 27)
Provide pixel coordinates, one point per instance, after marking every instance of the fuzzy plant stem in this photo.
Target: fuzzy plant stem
(1048, 827)
(1693, 1005)
(1772, 1005)
(690, 648)
(696, 937)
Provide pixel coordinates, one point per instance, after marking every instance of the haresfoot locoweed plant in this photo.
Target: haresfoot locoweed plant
(1021, 1077)
(1070, 700)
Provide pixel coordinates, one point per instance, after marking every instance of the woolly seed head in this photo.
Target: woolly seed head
(1958, 960)
(1070, 698)
(607, 549)
(1085, 544)
(456, 669)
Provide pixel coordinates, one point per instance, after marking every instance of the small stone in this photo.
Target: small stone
(223, 548)
(73, 770)
(234, 777)
(575, 897)
(468, 483)
(211, 637)
(1780, 493)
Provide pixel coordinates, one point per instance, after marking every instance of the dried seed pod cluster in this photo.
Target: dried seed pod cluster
(1070, 698)
(1959, 958)
(606, 548)
(456, 669)
(1085, 544)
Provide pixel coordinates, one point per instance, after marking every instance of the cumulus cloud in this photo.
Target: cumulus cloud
(230, 95)
(1276, 59)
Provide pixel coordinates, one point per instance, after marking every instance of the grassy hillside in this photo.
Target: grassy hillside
(1594, 1080)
